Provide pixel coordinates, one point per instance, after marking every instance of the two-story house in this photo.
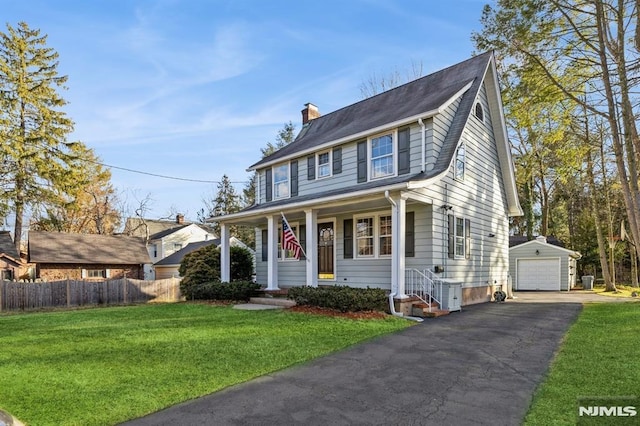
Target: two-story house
(165, 237)
(413, 185)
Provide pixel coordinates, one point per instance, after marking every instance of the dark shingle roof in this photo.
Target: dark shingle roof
(412, 99)
(60, 247)
(7, 245)
(176, 258)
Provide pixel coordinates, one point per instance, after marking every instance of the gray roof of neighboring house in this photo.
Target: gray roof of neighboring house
(135, 226)
(176, 258)
(60, 247)
(515, 240)
(412, 99)
(7, 246)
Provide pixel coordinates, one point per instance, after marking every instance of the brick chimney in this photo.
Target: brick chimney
(309, 112)
(179, 219)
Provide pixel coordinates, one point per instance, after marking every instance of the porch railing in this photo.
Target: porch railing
(424, 285)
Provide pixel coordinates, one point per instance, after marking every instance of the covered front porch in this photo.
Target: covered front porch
(361, 241)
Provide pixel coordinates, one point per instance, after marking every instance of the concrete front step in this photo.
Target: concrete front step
(273, 301)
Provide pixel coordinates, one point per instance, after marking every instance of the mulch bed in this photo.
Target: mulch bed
(336, 313)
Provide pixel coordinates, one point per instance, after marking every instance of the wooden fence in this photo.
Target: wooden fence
(23, 296)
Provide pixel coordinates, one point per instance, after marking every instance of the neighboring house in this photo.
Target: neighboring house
(10, 263)
(59, 256)
(413, 185)
(165, 243)
(541, 265)
(168, 267)
(166, 237)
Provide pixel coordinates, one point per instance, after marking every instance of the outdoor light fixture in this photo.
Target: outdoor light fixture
(537, 252)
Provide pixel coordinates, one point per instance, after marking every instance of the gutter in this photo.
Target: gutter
(424, 148)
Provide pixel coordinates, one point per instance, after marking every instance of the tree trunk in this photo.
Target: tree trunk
(595, 213)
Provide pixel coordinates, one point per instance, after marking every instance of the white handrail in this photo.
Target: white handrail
(424, 285)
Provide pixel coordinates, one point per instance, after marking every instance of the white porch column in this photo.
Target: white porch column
(311, 218)
(272, 252)
(398, 225)
(225, 254)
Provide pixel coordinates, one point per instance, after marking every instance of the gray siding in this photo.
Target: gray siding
(479, 198)
(546, 251)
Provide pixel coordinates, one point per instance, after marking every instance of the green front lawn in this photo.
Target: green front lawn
(104, 366)
(599, 358)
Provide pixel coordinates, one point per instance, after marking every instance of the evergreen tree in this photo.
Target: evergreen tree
(33, 129)
(225, 202)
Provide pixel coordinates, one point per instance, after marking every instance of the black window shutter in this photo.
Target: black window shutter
(362, 161)
(294, 178)
(452, 236)
(348, 238)
(311, 167)
(265, 245)
(467, 239)
(268, 185)
(409, 235)
(337, 161)
(302, 237)
(404, 165)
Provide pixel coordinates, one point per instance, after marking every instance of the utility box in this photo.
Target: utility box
(451, 295)
(587, 282)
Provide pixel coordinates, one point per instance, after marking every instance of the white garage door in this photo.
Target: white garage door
(538, 274)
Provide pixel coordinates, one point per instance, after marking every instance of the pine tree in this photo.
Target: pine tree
(225, 202)
(33, 129)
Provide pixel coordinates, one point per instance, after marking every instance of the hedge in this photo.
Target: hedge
(342, 298)
(216, 290)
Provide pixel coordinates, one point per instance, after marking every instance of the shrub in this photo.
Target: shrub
(203, 266)
(216, 290)
(342, 298)
(241, 264)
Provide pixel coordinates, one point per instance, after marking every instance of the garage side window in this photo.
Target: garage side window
(459, 238)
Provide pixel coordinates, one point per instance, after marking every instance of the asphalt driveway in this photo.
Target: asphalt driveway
(475, 367)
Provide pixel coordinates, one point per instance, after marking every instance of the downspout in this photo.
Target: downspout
(424, 143)
(394, 291)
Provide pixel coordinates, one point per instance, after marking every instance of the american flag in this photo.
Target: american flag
(289, 240)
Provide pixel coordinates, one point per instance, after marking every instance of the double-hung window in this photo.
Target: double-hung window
(384, 235)
(382, 156)
(281, 181)
(364, 237)
(373, 236)
(459, 238)
(324, 164)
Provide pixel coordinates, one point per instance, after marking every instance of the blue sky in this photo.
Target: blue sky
(194, 89)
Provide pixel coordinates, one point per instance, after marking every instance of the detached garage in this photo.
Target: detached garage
(541, 266)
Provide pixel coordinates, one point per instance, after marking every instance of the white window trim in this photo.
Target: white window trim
(282, 253)
(475, 111)
(394, 155)
(457, 237)
(274, 183)
(376, 235)
(464, 163)
(329, 164)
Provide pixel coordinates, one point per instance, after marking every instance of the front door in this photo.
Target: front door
(325, 251)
